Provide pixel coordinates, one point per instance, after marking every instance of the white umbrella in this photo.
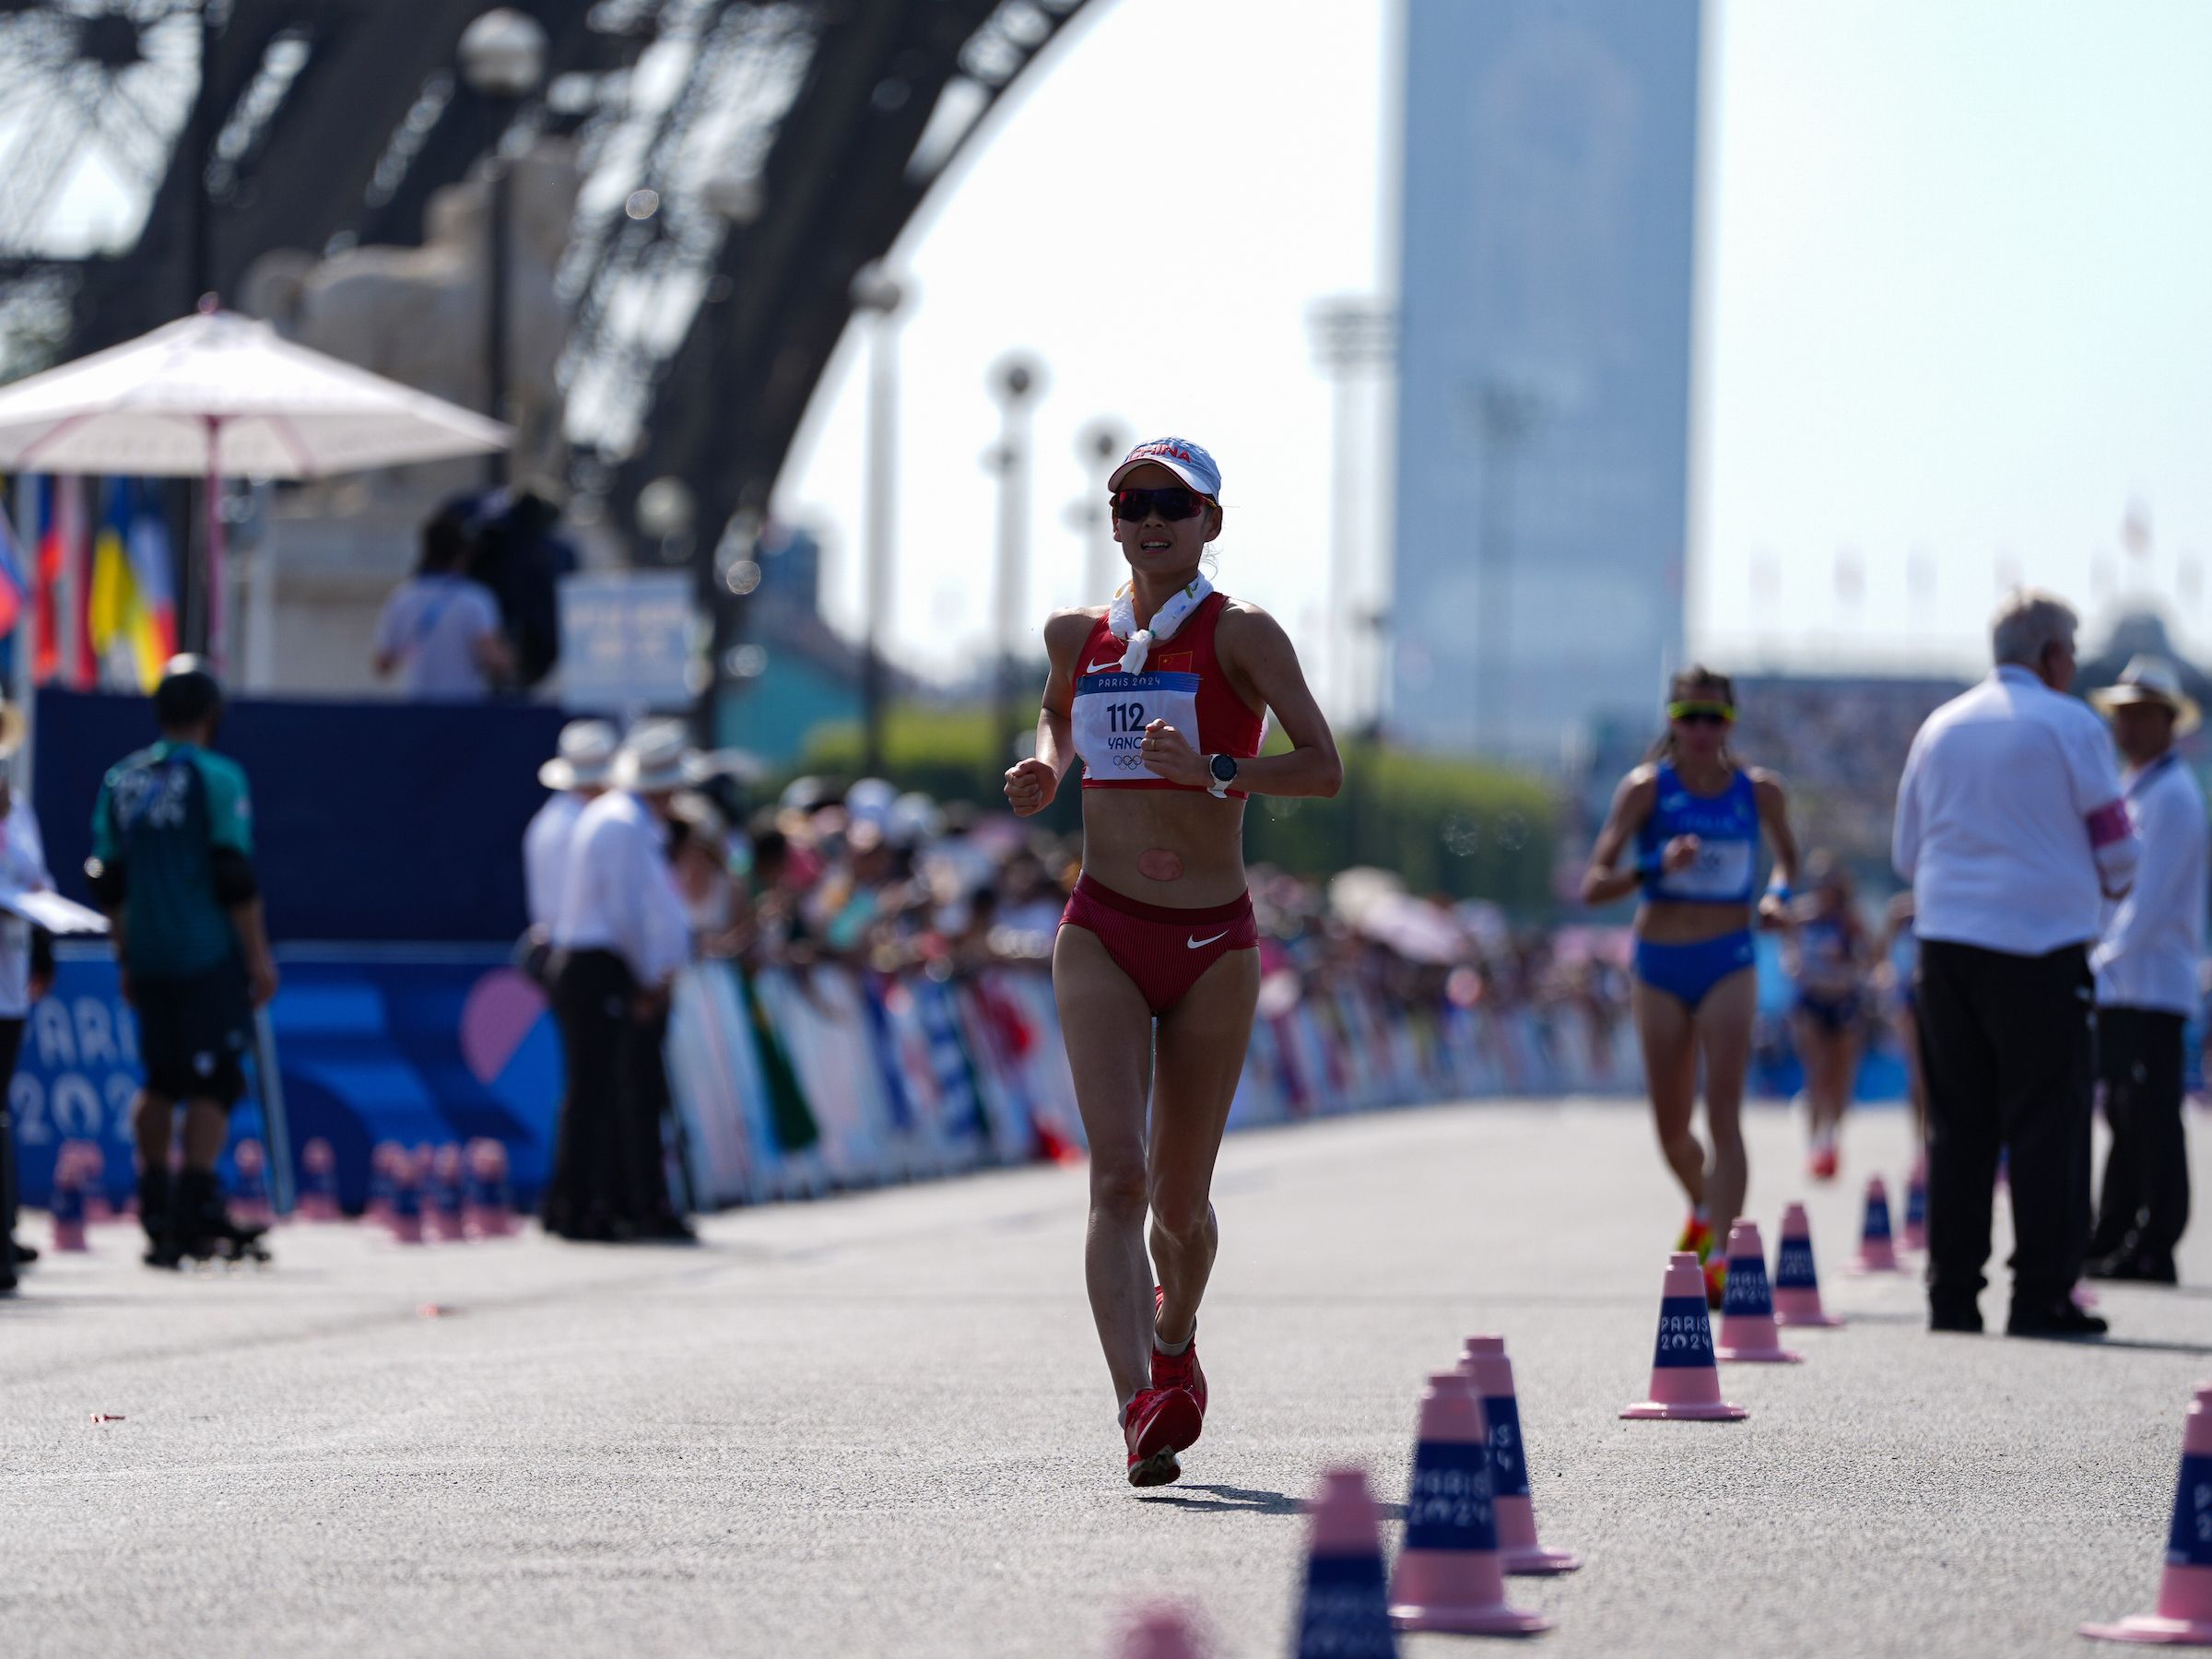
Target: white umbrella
(220, 396)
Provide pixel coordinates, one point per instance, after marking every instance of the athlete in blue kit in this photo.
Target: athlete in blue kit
(1689, 820)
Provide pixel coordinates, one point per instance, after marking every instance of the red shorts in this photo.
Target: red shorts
(1162, 950)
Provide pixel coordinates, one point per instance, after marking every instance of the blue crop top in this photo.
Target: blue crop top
(1726, 826)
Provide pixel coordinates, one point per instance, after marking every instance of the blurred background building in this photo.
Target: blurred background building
(1550, 210)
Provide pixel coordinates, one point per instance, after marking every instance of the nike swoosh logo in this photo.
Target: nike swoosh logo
(1201, 944)
(1108, 662)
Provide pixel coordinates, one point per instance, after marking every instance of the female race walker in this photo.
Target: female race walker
(1164, 696)
(1693, 816)
(1828, 959)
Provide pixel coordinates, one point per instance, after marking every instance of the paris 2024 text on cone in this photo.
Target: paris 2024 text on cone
(1684, 1381)
(1450, 1576)
(1484, 1364)
(1344, 1614)
(1797, 1278)
(1877, 1252)
(1748, 1311)
(2184, 1615)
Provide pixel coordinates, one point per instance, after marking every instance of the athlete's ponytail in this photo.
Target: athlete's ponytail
(1696, 682)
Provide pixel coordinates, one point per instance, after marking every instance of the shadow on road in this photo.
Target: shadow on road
(1244, 1501)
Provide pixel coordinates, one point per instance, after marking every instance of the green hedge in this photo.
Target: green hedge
(1446, 826)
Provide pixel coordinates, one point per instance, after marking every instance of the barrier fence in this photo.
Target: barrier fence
(792, 1081)
(787, 1081)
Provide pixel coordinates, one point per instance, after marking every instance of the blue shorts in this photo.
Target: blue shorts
(1690, 971)
(1829, 1014)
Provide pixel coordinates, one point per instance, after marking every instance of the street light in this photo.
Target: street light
(1351, 334)
(1097, 447)
(502, 56)
(1016, 381)
(878, 296)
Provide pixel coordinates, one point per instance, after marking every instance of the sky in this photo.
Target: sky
(1950, 332)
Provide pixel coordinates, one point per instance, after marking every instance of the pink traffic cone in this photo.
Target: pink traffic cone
(1876, 1252)
(1484, 1365)
(251, 1205)
(490, 1199)
(68, 1200)
(385, 1162)
(1796, 1279)
(1916, 1205)
(408, 1173)
(1346, 1609)
(2184, 1616)
(1160, 1633)
(447, 1215)
(318, 1182)
(1450, 1575)
(1747, 1311)
(99, 1209)
(1684, 1381)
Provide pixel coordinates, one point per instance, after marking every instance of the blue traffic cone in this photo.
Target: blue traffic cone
(1877, 1250)
(1450, 1574)
(1345, 1614)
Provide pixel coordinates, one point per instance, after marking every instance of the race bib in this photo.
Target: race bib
(1723, 870)
(1112, 711)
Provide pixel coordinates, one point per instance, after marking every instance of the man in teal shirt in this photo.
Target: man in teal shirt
(172, 866)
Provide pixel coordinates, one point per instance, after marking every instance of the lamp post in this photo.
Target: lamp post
(878, 297)
(1016, 381)
(502, 55)
(1097, 447)
(1351, 334)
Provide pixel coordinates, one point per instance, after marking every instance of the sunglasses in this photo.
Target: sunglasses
(1702, 714)
(1174, 503)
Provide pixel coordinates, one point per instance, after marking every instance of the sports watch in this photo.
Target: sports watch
(1223, 771)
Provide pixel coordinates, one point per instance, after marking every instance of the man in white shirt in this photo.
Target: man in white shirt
(620, 937)
(577, 775)
(2147, 981)
(2012, 831)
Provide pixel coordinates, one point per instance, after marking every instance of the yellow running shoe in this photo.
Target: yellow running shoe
(1716, 1283)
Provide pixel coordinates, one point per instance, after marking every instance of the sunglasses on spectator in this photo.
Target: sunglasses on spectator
(1174, 503)
(1702, 714)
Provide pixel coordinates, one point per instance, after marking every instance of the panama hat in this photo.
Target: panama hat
(586, 756)
(658, 758)
(2151, 679)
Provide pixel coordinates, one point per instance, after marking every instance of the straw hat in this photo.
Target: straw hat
(658, 758)
(2155, 680)
(586, 757)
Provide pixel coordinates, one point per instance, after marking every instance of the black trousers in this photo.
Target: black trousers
(2144, 1203)
(592, 992)
(11, 1044)
(608, 1167)
(2006, 1043)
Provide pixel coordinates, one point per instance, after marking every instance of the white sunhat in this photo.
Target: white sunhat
(2151, 679)
(658, 757)
(586, 756)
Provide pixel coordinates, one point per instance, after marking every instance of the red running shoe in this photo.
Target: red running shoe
(1822, 1163)
(1697, 1235)
(1178, 1370)
(1158, 1423)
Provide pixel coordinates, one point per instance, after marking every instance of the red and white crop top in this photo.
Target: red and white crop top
(1183, 683)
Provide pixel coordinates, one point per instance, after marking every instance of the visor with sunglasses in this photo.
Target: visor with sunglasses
(1174, 503)
(1702, 713)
